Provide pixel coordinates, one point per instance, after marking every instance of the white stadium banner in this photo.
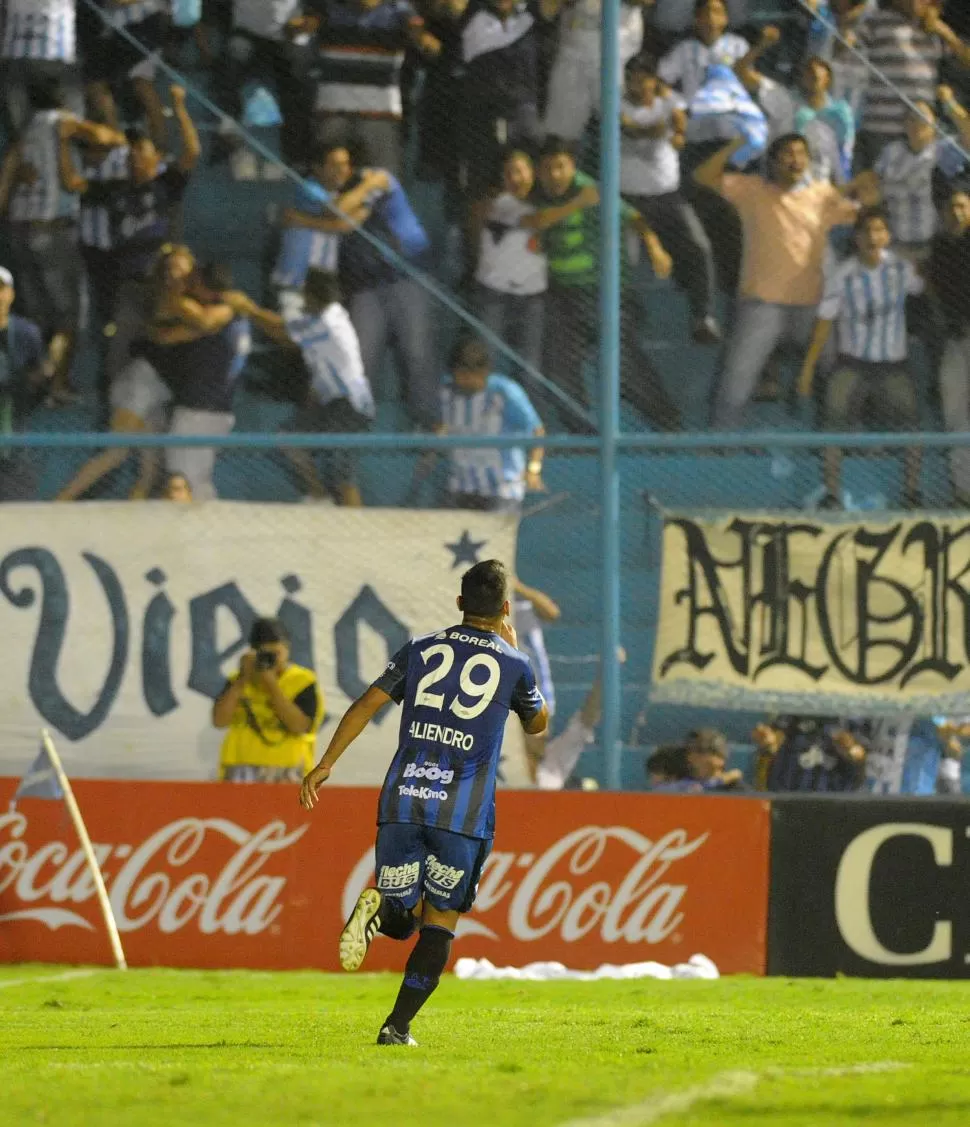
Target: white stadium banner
(120, 621)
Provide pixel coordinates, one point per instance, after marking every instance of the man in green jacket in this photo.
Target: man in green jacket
(568, 218)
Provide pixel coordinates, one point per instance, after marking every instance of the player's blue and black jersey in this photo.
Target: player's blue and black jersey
(457, 687)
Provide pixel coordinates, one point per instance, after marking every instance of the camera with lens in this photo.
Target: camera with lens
(265, 659)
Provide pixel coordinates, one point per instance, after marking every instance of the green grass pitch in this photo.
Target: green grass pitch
(170, 1047)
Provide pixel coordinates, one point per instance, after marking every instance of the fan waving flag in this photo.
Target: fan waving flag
(40, 781)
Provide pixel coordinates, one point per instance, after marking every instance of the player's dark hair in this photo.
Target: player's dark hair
(469, 353)
(485, 589)
(700, 5)
(319, 154)
(45, 94)
(321, 287)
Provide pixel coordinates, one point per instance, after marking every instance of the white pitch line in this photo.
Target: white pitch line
(724, 1085)
(64, 976)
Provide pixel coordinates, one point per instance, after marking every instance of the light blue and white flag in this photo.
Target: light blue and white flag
(40, 781)
(722, 108)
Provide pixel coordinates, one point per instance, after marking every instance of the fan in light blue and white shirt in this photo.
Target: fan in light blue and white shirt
(905, 171)
(869, 305)
(476, 402)
(40, 30)
(331, 351)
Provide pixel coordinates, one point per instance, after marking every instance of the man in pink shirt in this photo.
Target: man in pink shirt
(786, 219)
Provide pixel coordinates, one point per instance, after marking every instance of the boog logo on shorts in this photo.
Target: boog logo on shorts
(430, 771)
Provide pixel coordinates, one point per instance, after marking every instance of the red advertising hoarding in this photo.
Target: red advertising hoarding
(217, 875)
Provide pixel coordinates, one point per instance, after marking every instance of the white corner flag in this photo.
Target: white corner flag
(47, 779)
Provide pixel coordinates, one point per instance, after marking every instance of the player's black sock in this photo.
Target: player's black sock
(421, 975)
(397, 922)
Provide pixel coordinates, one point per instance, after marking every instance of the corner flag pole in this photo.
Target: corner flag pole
(82, 832)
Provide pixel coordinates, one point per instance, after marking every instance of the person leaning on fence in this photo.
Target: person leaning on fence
(786, 219)
(476, 401)
(871, 387)
(338, 396)
(948, 279)
(273, 710)
(26, 369)
(808, 753)
(569, 221)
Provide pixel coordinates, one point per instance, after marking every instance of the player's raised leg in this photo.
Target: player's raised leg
(390, 907)
(452, 869)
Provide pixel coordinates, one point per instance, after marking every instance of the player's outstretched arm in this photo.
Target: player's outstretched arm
(352, 723)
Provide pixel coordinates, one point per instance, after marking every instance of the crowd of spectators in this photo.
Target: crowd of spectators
(797, 201)
(904, 754)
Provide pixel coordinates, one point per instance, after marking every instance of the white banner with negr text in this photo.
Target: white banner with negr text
(818, 614)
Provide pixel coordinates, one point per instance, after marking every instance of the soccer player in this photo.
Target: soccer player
(436, 816)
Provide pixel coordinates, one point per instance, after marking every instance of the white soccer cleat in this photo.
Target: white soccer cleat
(390, 1036)
(360, 929)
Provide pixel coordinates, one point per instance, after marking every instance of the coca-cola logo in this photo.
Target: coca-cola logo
(155, 882)
(573, 888)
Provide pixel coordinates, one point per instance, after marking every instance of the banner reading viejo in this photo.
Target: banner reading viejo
(121, 621)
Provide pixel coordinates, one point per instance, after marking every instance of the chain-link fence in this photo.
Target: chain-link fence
(441, 158)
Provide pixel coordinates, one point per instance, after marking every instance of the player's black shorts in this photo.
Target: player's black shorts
(443, 868)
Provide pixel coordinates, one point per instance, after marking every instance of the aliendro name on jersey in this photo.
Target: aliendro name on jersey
(439, 733)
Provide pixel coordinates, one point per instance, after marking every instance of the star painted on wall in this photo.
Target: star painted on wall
(465, 550)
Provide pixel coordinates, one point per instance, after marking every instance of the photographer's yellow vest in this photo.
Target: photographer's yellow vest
(257, 738)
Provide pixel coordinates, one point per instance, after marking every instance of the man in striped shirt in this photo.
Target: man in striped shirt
(37, 41)
(906, 40)
(906, 170)
(871, 387)
(477, 401)
(339, 398)
(363, 44)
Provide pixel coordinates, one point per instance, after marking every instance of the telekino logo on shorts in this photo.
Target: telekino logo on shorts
(430, 771)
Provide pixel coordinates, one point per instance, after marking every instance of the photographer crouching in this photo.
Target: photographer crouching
(272, 709)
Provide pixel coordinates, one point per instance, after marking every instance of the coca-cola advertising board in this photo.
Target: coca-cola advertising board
(210, 875)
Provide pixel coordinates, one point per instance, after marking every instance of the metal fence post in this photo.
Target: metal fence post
(609, 375)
